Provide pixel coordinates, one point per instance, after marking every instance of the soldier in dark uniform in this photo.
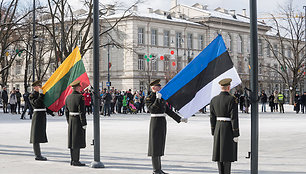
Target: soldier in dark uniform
(39, 121)
(76, 118)
(158, 125)
(224, 127)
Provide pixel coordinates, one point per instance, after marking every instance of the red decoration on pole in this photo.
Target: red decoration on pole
(173, 63)
(161, 57)
(109, 65)
(172, 52)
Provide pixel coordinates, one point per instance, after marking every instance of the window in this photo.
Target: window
(179, 63)
(189, 41)
(166, 63)
(154, 64)
(248, 45)
(229, 42)
(79, 38)
(153, 37)
(18, 67)
(268, 50)
(140, 35)
(289, 52)
(179, 40)
(260, 47)
(275, 49)
(269, 70)
(275, 72)
(140, 62)
(141, 86)
(239, 44)
(201, 42)
(240, 67)
(166, 38)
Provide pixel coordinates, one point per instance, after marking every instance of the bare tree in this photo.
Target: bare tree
(10, 23)
(287, 46)
(68, 28)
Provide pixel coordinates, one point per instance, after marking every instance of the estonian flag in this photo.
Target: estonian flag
(195, 85)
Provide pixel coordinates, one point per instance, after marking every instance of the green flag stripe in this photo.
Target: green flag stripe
(55, 92)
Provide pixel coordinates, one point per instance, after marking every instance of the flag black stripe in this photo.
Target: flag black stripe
(215, 68)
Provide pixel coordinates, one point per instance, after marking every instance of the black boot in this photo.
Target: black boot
(227, 167)
(75, 157)
(161, 171)
(156, 165)
(37, 152)
(220, 167)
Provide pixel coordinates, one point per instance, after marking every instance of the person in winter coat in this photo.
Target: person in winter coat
(4, 97)
(158, 125)
(297, 103)
(224, 127)
(18, 95)
(271, 102)
(76, 118)
(281, 101)
(87, 99)
(263, 100)
(13, 101)
(39, 121)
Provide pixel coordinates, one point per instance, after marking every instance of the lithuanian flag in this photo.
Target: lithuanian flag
(57, 88)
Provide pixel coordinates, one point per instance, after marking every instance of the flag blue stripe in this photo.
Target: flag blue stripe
(196, 66)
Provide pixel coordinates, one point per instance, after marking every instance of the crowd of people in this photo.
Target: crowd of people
(11, 102)
(300, 103)
(115, 101)
(111, 102)
(275, 101)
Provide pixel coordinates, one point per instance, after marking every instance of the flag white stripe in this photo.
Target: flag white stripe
(204, 96)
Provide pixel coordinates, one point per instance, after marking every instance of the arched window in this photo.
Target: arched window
(228, 42)
(239, 44)
(259, 47)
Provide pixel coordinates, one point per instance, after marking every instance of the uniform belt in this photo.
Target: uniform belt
(74, 113)
(224, 119)
(157, 115)
(37, 110)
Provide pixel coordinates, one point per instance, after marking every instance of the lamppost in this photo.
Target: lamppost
(108, 66)
(34, 46)
(305, 46)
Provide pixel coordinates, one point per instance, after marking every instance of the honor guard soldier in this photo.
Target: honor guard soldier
(39, 121)
(158, 125)
(224, 127)
(76, 118)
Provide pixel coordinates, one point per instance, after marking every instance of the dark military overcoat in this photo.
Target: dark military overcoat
(158, 125)
(224, 105)
(76, 133)
(39, 121)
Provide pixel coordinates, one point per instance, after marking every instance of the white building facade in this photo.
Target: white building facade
(158, 44)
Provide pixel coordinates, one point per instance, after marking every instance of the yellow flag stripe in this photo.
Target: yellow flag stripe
(63, 69)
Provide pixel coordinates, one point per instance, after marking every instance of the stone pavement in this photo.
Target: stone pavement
(124, 141)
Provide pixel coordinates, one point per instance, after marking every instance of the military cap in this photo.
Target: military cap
(155, 83)
(225, 82)
(37, 83)
(75, 83)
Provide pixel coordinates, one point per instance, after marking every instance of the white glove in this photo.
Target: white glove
(185, 120)
(158, 95)
(41, 91)
(84, 127)
(235, 139)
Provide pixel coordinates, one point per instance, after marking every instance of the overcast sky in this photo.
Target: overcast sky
(263, 6)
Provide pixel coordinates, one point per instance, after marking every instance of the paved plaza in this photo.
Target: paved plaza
(124, 138)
